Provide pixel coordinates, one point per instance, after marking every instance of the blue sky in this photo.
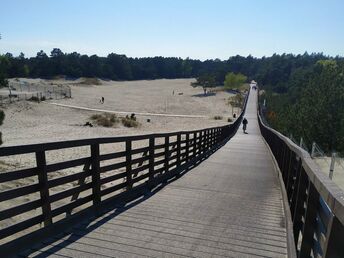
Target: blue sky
(203, 29)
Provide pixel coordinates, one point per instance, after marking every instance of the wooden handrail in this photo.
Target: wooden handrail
(316, 203)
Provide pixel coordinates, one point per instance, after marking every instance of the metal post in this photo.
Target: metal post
(333, 159)
(313, 150)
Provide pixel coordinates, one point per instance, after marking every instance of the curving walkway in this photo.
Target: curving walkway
(228, 206)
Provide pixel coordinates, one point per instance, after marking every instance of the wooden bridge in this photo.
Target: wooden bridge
(210, 193)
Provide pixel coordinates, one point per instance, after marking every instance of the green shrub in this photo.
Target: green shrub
(218, 117)
(229, 120)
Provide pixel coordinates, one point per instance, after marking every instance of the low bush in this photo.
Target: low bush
(106, 120)
(34, 98)
(130, 121)
(218, 117)
(229, 120)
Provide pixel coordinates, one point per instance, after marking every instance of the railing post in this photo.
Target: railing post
(187, 144)
(299, 204)
(43, 186)
(95, 173)
(295, 188)
(334, 247)
(310, 220)
(151, 158)
(128, 164)
(167, 152)
(333, 159)
(194, 145)
(178, 149)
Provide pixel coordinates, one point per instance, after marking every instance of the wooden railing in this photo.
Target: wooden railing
(316, 203)
(126, 174)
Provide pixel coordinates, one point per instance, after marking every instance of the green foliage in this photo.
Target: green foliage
(314, 110)
(236, 101)
(205, 81)
(4, 66)
(234, 81)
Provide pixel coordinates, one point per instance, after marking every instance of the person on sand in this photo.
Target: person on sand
(103, 100)
(244, 124)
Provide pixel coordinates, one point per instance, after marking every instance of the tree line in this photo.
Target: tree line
(271, 71)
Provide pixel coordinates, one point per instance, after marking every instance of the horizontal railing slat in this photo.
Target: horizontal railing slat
(70, 192)
(18, 192)
(11, 230)
(112, 178)
(113, 166)
(14, 211)
(69, 207)
(67, 179)
(18, 174)
(140, 150)
(139, 160)
(67, 164)
(139, 169)
(139, 178)
(114, 155)
(113, 188)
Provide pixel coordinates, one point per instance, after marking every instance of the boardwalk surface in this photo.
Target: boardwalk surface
(228, 206)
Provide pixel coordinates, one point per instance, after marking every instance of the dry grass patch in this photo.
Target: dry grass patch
(218, 117)
(106, 120)
(130, 121)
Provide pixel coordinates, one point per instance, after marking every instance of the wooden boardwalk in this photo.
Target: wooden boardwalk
(230, 205)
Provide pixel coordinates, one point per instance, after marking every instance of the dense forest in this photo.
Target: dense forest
(273, 71)
(304, 93)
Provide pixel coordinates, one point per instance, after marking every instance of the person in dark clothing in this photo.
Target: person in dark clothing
(244, 124)
(103, 100)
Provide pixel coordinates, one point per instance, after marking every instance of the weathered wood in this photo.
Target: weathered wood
(44, 188)
(67, 179)
(95, 174)
(11, 212)
(74, 192)
(178, 149)
(66, 164)
(151, 158)
(334, 241)
(128, 144)
(18, 174)
(17, 192)
(310, 220)
(167, 154)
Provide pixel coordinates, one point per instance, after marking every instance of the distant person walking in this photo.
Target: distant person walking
(102, 100)
(244, 124)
